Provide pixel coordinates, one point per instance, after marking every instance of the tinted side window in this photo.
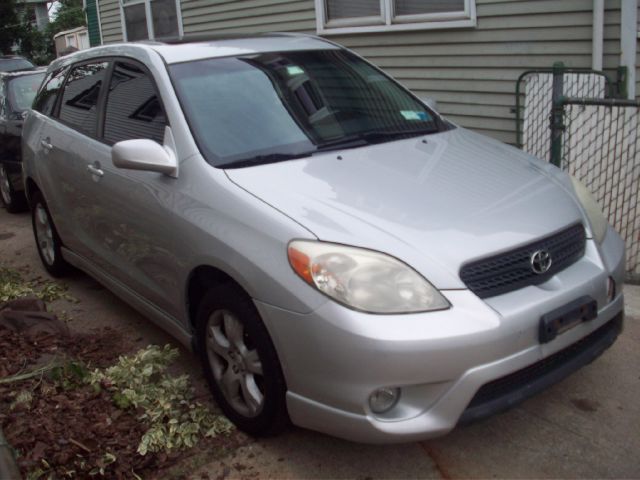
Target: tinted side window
(133, 107)
(80, 97)
(48, 93)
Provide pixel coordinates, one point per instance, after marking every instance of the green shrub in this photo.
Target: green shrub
(166, 402)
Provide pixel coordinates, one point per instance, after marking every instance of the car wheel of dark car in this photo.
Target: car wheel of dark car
(240, 362)
(47, 239)
(12, 200)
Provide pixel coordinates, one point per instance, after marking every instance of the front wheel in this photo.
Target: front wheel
(12, 200)
(240, 362)
(47, 239)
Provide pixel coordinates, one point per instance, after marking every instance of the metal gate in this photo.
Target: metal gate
(568, 117)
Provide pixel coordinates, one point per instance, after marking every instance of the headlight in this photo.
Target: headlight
(594, 213)
(363, 279)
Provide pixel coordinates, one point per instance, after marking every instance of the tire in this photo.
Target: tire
(46, 236)
(254, 402)
(12, 200)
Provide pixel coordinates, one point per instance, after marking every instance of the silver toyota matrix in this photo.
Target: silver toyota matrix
(336, 252)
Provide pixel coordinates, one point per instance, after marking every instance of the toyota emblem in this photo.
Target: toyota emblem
(540, 262)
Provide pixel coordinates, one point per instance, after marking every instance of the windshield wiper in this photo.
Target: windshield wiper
(350, 141)
(264, 159)
(382, 136)
(370, 138)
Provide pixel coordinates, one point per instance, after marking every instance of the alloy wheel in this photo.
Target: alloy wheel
(236, 365)
(44, 234)
(5, 186)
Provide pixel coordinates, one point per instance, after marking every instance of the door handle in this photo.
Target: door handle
(46, 144)
(93, 170)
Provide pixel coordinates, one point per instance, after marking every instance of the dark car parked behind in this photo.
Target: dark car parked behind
(17, 90)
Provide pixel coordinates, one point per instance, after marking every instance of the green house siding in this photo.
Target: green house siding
(248, 16)
(93, 24)
(471, 72)
(110, 20)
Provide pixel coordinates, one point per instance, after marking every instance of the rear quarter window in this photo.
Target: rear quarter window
(79, 105)
(46, 97)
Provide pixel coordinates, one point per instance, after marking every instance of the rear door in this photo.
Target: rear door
(37, 146)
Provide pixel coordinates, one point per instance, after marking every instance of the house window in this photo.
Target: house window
(150, 19)
(83, 40)
(70, 40)
(353, 16)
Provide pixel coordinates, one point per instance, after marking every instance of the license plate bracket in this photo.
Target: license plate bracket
(566, 317)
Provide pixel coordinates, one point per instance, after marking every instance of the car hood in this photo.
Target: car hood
(435, 202)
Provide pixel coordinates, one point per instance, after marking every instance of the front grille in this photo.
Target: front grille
(511, 270)
(534, 378)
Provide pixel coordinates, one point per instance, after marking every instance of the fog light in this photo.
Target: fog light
(384, 399)
(611, 290)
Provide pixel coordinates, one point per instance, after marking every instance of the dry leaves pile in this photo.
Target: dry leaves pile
(124, 421)
(59, 425)
(76, 406)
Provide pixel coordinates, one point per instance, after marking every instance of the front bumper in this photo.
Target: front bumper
(334, 358)
(502, 393)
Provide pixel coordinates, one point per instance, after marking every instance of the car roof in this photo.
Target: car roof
(197, 48)
(221, 46)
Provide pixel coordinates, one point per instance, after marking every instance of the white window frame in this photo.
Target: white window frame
(83, 40)
(147, 12)
(71, 39)
(389, 22)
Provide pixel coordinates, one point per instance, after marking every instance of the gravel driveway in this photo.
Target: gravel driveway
(588, 426)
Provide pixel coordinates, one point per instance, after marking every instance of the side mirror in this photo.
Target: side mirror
(430, 102)
(144, 154)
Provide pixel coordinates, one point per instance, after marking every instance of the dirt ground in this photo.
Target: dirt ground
(587, 426)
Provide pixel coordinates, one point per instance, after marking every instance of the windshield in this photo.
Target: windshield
(276, 106)
(13, 64)
(22, 91)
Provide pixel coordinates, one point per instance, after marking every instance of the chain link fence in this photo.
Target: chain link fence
(534, 101)
(568, 118)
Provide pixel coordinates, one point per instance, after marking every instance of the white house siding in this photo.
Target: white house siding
(471, 72)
